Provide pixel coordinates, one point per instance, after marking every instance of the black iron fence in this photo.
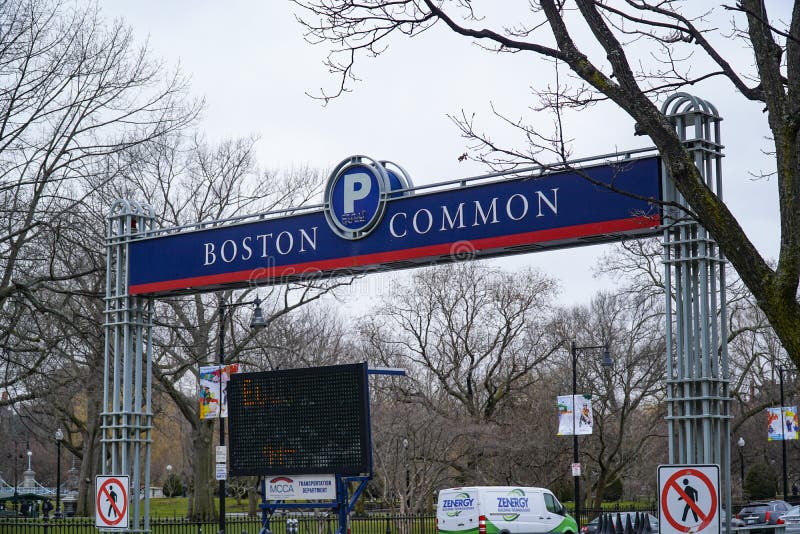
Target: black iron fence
(373, 523)
(299, 524)
(279, 524)
(588, 515)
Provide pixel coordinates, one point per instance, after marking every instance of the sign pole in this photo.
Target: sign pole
(576, 477)
(783, 437)
(219, 414)
(341, 501)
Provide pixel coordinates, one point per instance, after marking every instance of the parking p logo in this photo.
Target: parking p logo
(357, 186)
(355, 196)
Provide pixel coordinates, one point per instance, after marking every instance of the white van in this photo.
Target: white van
(501, 510)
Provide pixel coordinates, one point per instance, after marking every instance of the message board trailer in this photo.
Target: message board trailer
(300, 421)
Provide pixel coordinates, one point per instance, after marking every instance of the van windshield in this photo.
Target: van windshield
(552, 504)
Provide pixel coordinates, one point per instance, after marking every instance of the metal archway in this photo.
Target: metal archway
(697, 374)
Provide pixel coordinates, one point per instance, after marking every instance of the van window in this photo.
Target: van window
(552, 504)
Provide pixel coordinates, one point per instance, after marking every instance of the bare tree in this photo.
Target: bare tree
(470, 338)
(74, 95)
(407, 442)
(754, 350)
(633, 53)
(631, 393)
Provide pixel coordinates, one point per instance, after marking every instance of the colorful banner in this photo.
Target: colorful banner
(579, 421)
(782, 428)
(211, 376)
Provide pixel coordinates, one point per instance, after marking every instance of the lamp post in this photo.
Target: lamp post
(59, 437)
(740, 443)
(257, 322)
(606, 362)
(168, 485)
(406, 497)
(781, 370)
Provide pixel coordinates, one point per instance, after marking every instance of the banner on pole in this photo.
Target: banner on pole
(782, 423)
(575, 415)
(214, 389)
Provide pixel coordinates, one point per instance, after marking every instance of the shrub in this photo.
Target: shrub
(761, 482)
(613, 491)
(172, 486)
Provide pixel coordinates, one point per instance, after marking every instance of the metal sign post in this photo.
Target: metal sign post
(127, 416)
(698, 378)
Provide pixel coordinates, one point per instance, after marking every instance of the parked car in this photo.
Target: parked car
(591, 526)
(791, 520)
(735, 521)
(763, 512)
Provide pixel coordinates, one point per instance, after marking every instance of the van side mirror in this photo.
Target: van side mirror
(563, 511)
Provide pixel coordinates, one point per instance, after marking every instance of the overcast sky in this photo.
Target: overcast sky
(250, 62)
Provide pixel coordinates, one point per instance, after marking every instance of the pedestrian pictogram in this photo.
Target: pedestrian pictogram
(112, 501)
(688, 497)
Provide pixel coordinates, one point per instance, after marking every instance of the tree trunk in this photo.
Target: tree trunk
(204, 483)
(599, 491)
(252, 499)
(90, 464)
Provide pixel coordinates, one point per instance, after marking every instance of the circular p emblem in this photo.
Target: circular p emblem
(355, 197)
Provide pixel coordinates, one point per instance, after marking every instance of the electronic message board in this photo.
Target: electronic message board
(300, 421)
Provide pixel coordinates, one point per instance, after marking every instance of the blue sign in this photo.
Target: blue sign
(355, 197)
(508, 216)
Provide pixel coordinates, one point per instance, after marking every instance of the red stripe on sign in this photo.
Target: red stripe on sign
(378, 258)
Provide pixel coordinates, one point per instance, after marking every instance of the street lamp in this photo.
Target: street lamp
(59, 437)
(257, 322)
(605, 362)
(740, 443)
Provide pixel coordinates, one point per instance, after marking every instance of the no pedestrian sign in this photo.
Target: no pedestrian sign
(111, 501)
(689, 499)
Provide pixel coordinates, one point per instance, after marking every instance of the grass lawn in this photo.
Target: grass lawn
(176, 506)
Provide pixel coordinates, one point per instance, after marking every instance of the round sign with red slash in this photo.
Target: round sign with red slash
(112, 501)
(688, 498)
